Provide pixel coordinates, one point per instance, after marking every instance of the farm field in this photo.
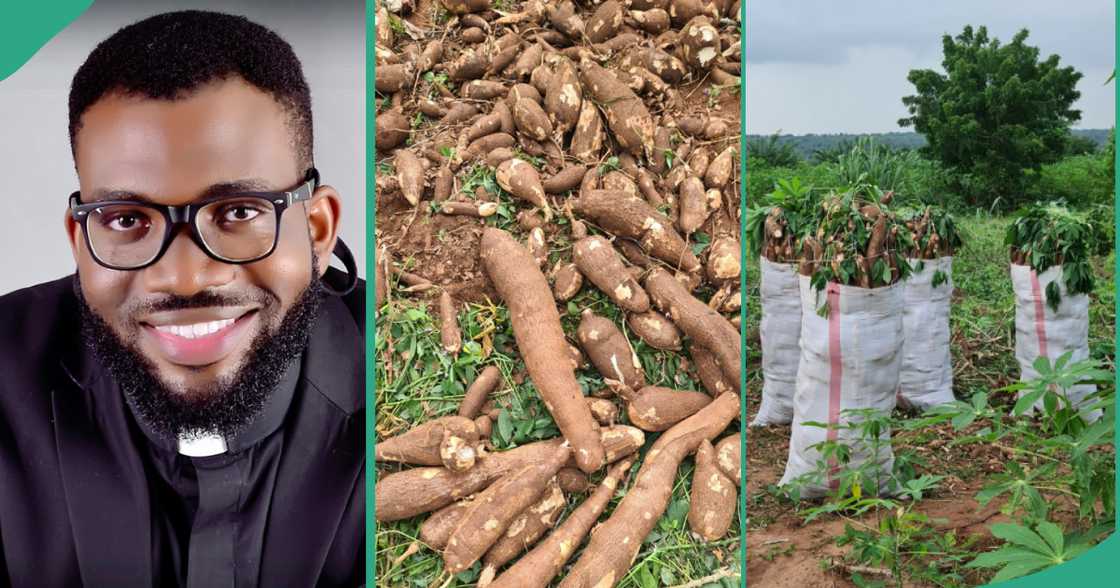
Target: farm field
(444, 200)
(929, 540)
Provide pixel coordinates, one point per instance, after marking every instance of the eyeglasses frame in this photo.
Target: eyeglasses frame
(187, 214)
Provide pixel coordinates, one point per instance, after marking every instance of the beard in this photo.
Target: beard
(228, 404)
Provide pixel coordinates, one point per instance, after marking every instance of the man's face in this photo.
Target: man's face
(193, 318)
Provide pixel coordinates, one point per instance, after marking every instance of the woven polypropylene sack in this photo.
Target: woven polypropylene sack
(1043, 331)
(926, 379)
(849, 360)
(779, 330)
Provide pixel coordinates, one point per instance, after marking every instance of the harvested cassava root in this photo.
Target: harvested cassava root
(537, 568)
(616, 542)
(712, 504)
(492, 512)
(655, 408)
(540, 339)
(423, 445)
(407, 493)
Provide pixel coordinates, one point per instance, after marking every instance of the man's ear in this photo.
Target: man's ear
(323, 214)
(73, 234)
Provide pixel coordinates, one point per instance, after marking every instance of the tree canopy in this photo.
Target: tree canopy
(996, 111)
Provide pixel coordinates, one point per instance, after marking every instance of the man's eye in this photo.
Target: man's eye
(240, 213)
(125, 222)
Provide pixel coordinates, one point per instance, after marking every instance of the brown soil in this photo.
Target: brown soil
(783, 551)
(444, 249)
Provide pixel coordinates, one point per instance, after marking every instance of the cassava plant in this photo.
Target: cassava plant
(775, 227)
(858, 241)
(1046, 235)
(933, 231)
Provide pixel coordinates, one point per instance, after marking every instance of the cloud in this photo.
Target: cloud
(826, 66)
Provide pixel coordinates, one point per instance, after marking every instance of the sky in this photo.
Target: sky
(826, 66)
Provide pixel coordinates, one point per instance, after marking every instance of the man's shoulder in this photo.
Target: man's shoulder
(37, 327)
(33, 314)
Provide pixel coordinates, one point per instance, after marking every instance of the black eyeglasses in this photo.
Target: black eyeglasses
(234, 228)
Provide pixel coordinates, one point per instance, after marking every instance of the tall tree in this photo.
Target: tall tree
(995, 112)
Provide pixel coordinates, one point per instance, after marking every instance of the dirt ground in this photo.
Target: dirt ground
(784, 552)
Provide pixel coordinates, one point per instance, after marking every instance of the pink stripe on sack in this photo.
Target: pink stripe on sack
(836, 372)
(1039, 314)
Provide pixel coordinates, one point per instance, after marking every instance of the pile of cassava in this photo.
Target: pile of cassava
(855, 300)
(568, 147)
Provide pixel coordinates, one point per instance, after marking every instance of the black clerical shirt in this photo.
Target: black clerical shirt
(90, 497)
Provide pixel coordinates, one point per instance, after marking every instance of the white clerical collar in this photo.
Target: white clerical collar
(202, 444)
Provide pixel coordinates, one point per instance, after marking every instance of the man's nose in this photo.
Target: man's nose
(185, 269)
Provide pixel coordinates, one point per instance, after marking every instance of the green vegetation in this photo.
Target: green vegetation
(418, 381)
(991, 138)
(995, 112)
(1047, 235)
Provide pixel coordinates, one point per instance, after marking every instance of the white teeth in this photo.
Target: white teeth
(195, 330)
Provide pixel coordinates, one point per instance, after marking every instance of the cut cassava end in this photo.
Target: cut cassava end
(479, 391)
(598, 261)
(540, 340)
(604, 411)
(492, 512)
(609, 350)
(712, 502)
(420, 445)
(656, 408)
(456, 453)
(538, 567)
(702, 324)
(572, 481)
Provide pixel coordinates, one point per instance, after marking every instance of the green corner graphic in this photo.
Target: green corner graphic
(26, 26)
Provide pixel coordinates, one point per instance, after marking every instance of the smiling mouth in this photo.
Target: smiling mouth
(196, 330)
(190, 342)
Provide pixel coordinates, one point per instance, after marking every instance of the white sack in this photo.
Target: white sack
(850, 360)
(779, 330)
(926, 379)
(1040, 330)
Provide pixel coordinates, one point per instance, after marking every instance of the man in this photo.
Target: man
(188, 408)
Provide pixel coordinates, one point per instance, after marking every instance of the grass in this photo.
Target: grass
(418, 381)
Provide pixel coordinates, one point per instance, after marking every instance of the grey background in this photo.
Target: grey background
(822, 66)
(38, 172)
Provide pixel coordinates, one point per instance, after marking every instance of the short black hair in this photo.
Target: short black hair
(167, 56)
